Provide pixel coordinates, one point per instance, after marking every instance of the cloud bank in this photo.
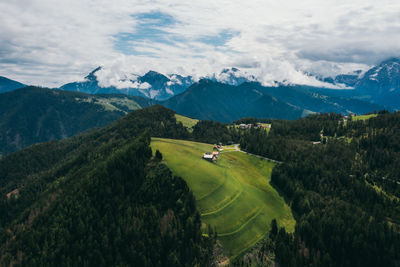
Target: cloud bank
(50, 43)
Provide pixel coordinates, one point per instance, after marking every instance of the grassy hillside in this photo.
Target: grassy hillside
(234, 195)
(363, 117)
(186, 121)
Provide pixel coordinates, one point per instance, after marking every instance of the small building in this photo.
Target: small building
(211, 156)
(245, 126)
(263, 125)
(217, 148)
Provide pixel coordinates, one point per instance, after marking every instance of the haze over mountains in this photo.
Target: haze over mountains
(153, 85)
(379, 85)
(233, 94)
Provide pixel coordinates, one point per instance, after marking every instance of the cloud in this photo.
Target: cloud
(53, 42)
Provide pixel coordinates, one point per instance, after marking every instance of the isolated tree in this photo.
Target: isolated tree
(274, 228)
(158, 155)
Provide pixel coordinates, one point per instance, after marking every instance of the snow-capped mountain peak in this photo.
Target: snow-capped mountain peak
(232, 76)
(388, 71)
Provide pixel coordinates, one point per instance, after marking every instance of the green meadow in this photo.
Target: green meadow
(233, 194)
(186, 121)
(363, 117)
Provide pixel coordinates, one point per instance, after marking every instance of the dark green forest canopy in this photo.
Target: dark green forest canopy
(343, 191)
(100, 199)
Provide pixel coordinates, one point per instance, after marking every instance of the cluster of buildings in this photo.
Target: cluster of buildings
(258, 125)
(212, 156)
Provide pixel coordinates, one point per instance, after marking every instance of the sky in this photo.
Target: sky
(50, 43)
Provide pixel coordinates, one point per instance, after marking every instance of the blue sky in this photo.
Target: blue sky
(50, 43)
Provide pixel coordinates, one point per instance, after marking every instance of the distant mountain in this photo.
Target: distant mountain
(89, 86)
(155, 85)
(152, 85)
(163, 87)
(232, 76)
(210, 100)
(7, 85)
(381, 84)
(305, 97)
(349, 80)
(31, 114)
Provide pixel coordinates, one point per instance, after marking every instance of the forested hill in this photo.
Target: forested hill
(100, 199)
(344, 191)
(31, 114)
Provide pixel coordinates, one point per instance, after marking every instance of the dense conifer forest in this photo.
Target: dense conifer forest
(344, 191)
(101, 198)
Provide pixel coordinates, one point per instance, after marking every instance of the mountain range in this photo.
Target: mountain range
(233, 94)
(152, 85)
(380, 84)
(375, 85)
(208, 100)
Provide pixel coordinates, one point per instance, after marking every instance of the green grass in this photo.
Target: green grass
(233, 195)
(112, 103)
(363, 117)
(186, 121)
(267, 124)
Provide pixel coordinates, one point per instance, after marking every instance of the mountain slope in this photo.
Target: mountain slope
(221, 102)
(381, 84)
(318, 100)
(232, 76)
(7, 85)
(99, 199)
(208, 100)
(31, 115)
(163, 87)
(89, 86)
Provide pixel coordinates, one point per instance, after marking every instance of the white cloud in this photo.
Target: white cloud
(53, 42)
